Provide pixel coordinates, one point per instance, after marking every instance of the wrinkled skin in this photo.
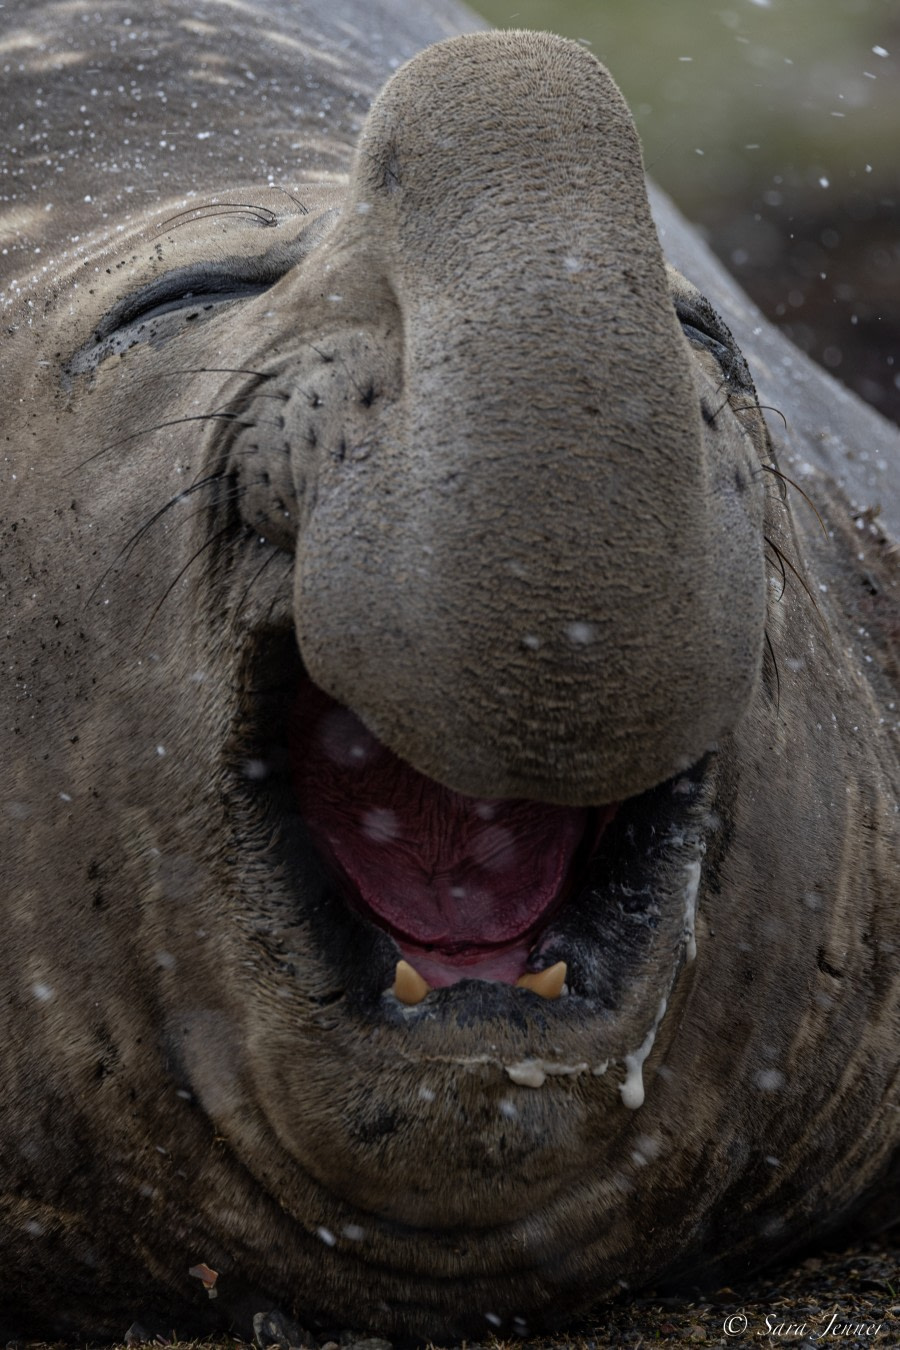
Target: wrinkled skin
(435, 428)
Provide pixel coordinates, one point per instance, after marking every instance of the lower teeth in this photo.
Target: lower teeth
(410, 987)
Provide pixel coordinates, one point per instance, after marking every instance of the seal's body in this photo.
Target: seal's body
(450, 781)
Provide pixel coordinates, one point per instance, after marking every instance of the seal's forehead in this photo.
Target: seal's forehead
(112, 111)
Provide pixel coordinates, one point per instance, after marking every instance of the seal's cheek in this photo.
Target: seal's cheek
(734, 447)
(322, 406)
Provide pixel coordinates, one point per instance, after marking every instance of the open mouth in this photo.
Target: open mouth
(464, 886)
(425, 890)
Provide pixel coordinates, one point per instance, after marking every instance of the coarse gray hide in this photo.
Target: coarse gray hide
(450, 772)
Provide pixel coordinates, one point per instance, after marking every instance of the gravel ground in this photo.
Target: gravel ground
(850, 1299)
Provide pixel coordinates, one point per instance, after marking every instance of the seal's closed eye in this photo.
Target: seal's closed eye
(173, 293)
(704, 329)
(724, 355)
(181, 298)
(170, 303)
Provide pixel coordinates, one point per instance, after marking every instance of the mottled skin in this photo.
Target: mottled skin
(462, 416)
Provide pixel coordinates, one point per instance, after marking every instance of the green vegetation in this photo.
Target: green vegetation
(742, 96)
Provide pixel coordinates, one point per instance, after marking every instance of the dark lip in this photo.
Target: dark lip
(627, 909)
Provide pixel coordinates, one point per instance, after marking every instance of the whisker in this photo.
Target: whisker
(780, 562)
(768, 407)
(295, 200)
(219, 534)
(770, 468)
(148, 431)
(760, 407)
(780, 488)
(217, 370)
(263, 214)
(131, 544)
(178, 421)
(722, 405)
(272, 554)
(775, 668)
(786, 560)
(289, 561)
(329, 358)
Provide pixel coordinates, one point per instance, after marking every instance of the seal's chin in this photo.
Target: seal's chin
(414, 891)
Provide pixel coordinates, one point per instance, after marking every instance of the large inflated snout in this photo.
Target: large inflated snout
(525, 586)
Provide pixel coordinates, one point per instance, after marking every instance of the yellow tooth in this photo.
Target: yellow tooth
(548, 983)
(409, 986)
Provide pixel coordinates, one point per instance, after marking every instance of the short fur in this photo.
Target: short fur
(461, 445)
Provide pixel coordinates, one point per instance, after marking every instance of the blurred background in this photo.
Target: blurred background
(775, 126)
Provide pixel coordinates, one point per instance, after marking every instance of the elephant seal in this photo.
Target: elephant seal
(450, 777)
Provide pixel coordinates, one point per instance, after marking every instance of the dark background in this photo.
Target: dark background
(775, 126)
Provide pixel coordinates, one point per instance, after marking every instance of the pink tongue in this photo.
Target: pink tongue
(436, 867)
